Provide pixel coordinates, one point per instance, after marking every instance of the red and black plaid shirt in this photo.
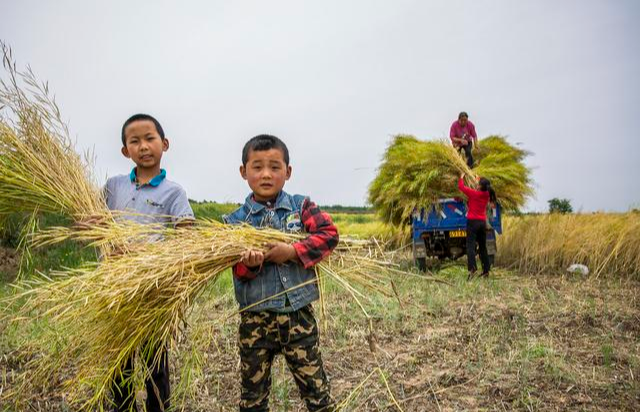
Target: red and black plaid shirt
(323, 238)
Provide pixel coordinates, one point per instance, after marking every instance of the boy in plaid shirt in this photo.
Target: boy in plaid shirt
(276, 286)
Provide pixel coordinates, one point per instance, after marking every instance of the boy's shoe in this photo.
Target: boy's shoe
(484, 275)
(472, 273)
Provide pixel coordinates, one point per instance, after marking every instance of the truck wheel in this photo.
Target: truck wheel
(421, 263)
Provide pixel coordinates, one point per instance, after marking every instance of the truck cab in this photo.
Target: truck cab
(441, 231)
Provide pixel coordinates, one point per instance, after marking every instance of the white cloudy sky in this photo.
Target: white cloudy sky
(336, 79)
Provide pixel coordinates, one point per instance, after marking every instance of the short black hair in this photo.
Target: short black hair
(264, 142)
(141, 116)
(463, 114)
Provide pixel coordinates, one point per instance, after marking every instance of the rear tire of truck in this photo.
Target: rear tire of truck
(421, 263)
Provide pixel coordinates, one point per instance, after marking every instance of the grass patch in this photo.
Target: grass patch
(212, 210)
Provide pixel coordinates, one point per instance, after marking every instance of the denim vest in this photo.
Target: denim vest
(273, 279)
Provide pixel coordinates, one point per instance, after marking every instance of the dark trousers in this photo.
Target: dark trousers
(467, 153)
(262, 335)
(477, 232)
(158, 389)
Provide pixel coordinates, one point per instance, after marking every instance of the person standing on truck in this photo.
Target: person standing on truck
(477, 223)
(463, 136)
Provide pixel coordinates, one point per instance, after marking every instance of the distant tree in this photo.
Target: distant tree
(557, 205)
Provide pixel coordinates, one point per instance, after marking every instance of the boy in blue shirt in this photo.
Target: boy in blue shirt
(152, 198)
(274, 321)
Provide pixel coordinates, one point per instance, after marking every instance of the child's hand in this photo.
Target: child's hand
(462, 175)
(252, 258)
(280, 252)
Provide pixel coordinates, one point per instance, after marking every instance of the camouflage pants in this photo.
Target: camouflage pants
(262, 335)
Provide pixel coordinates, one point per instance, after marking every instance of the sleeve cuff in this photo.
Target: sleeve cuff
(242, 272)
(302, 255)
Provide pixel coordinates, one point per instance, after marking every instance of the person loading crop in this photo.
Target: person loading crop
(463, 136)
(477, 223)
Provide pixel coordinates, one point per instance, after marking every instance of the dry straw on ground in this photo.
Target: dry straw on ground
(417, 173)
(608, 244)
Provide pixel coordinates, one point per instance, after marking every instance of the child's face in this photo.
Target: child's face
(144, 145)
(266, 172)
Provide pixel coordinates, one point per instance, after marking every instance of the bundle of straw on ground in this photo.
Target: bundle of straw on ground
(415, 174)
(608, 244)
(136, 301)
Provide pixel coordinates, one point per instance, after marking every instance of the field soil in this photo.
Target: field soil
(9, 262)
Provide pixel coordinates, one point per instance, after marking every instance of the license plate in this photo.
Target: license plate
(458, 233)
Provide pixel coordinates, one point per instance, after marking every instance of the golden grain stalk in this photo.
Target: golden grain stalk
(39, 168)
(607, 243)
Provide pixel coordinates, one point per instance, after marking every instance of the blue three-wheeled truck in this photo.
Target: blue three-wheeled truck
(439, 232)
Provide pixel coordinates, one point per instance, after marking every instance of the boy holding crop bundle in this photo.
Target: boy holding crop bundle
(276, 286)
(152, 198)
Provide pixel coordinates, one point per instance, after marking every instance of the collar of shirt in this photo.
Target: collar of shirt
(153, 182)
(282, 202)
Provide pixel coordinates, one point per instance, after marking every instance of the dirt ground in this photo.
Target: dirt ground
(547, 343)
(9, 262)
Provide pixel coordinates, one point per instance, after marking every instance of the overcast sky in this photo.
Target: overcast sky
(336, 79)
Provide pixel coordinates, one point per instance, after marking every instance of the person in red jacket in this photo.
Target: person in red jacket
(477, 223)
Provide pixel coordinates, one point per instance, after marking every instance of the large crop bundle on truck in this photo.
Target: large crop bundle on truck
(415, 174)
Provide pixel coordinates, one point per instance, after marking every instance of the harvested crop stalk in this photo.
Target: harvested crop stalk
(607, 243)
(39, 168)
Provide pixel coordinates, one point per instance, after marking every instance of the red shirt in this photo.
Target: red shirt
(458, 131)
(477, 203)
